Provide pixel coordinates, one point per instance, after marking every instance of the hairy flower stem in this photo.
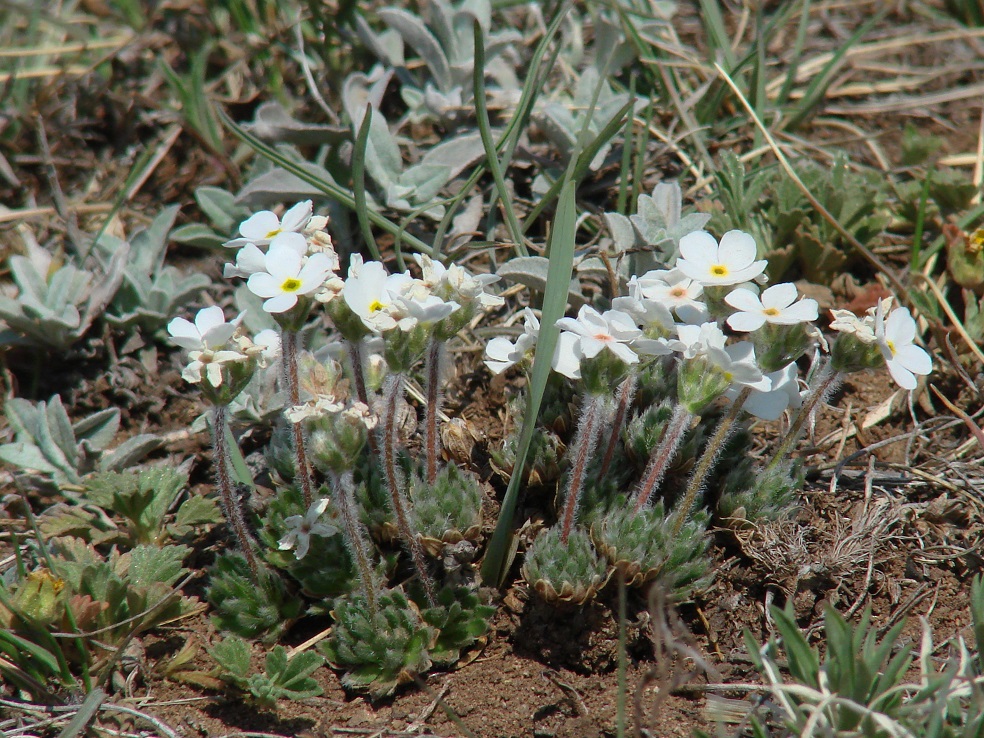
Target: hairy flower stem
(361, 390)
(389, 437)
(626, 393)
(825, 382)
(355, 535)
(707, 461)
(665, 452)
(584, 446)
(230, 500)
(432, 439)
(289, 342)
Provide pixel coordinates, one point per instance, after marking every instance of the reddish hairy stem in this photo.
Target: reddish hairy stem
(392, 393)
(707, 460)
(665, 451)
(626, 391)
(290, 340)
(587, 437)
(230, 500)
(432, 440)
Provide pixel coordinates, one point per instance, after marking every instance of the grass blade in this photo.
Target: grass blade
(717, 32)
(359, 184)
(554, 305)
(818, 87)
(798, 45)
(485, 130)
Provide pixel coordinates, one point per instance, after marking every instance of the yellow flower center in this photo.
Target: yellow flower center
(291, 285)
(891, 346)
(274, 232)
(771, 311)
(375, 306)
(719, 270)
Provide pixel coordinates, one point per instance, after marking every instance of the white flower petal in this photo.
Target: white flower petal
(698, 249)
(745, 300)
(297, 217)
(902, 376)
(915, 359)
(283, 263)
(900, 326)
(259, 226)
(779, 296)
(737, 249)
(746, 322)
(280, 303)
(290, 240)
(209, 318)
(185, 334)
(263, 284)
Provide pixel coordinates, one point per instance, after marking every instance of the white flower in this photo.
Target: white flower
(895, 336)
(736, 361)
(676, 291)
(262, 227)
(501, 353)
(208, 332)
(457, 283)
(770, 405)
(416, 309)
(268, 342)
(287, 276)
(207, 364)
(776, 305)
(567, 355)
(371, 293)
(251, 259)
(612, 330)
(316, 407)
(302, 527)
(861, 328)
(318, 239)
(655, 319)
(652, 315)
(719, 265)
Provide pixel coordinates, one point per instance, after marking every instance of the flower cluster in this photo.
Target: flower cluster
(221, 357)
(880, 337)
(683, 311)
(666, 313)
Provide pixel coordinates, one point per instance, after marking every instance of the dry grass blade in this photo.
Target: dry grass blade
(968, 421)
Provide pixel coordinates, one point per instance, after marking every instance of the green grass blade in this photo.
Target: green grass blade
(798, 45)
(759, 100)
(240, 469)
(359, 184)
(87, 711)
(532, 89)
(917, 235)
(553, 308)
(330, 189)
(717, 32)
(627, 146)
(491, 157)
(818, 87)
